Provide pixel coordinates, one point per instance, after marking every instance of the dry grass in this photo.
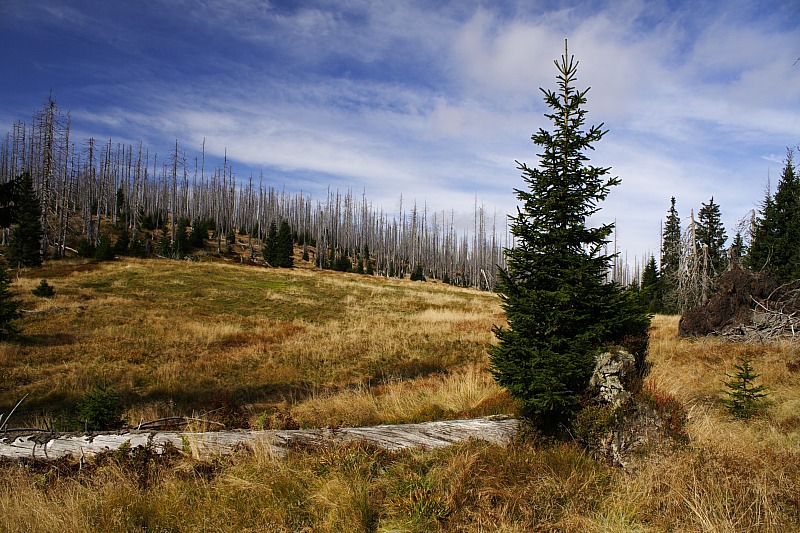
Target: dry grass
(326, 349)
(171, 337)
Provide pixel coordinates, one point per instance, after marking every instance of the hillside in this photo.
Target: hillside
(253, 345)
(287, 348)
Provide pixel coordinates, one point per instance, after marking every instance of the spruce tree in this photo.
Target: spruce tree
(123, 244)
(651, 289)
(285, 246)
(24, 247)
(745, 398)
(711, 234)
(559, 308)
(9, 307)
(164, 244)
(104, 250)
(180, 241)
(270, 250)
(777, 229)
(670, 259)
(738, 249)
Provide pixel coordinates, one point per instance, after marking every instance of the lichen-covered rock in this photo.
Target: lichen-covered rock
(619, 423)
(613, 372)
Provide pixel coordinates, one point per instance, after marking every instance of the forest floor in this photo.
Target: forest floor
(271, 348)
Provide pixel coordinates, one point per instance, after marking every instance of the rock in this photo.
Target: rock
(613, 371)
(617, 424)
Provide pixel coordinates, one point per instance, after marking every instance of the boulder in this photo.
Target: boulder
(620, 424)
(614, 372)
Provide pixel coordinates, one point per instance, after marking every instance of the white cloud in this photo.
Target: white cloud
(436, 102)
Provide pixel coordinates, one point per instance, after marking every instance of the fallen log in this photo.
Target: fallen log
(427, 435)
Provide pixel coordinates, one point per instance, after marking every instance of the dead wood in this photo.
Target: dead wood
(52, 310)
(747, 307)
(426, 435)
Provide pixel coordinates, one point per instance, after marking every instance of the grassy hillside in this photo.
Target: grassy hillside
(324, 349)
(176, 338)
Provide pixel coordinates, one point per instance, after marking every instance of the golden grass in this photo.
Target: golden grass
(171, 336)
(330, 349)
(694, 370)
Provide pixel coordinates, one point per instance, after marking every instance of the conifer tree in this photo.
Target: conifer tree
(9, 307)
(270, 250)
(123, 244)
(43, 290)
(24, 247)
(180, 239)
(671, 240)
(199, 234)
(745, 398)
(104, 250)
(738, 248)
(285, 246)
(711, 233)
(652, 287)
(560, 310)
(777, 229)
(164, 244)
(670, 259)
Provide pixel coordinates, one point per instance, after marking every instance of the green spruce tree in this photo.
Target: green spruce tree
(559, 308)
(652, 288)
(43, 290)
(104, 250)
(285, 245)
(670, 259)
(24, 247)
(123, 244)
(711, 234)
(745, 398)
(738, 249)
(270, 248)
(180, 241)
(9, 307)
(777, 228)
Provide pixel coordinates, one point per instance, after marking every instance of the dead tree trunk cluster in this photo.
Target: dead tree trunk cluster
(92, 186)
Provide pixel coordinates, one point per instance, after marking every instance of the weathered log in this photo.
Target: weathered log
(426, 435)
(52, 310)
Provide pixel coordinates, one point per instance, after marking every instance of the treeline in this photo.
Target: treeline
(695, 256)
(99, 199)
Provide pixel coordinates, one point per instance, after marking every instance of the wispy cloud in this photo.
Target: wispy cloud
(436, 101)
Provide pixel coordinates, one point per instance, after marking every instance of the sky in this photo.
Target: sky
(431, 101)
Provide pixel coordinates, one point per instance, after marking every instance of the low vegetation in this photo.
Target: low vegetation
(308, 348)
(253, 345)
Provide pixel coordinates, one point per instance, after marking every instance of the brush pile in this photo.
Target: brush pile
(747, 307)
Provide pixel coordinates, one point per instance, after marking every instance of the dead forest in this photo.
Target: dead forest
(87, 187)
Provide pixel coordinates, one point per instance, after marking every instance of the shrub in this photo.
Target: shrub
(85, 248)
(104, 250)
(418, 274)
(43, 290)
(593, 423)
(100, 410)
(745, 398)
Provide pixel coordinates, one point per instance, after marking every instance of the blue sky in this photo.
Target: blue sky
(433, 101)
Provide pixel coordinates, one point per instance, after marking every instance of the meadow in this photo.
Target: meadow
(306, 348)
